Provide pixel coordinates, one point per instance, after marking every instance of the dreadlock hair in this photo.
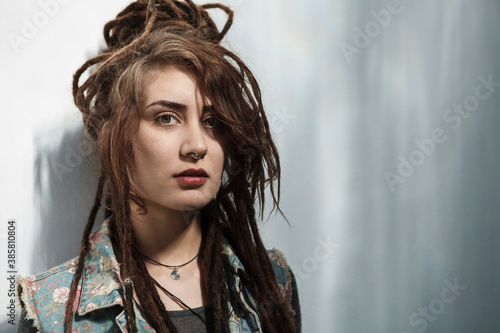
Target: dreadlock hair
(144, 37)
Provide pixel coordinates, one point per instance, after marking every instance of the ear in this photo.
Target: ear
(105, 128)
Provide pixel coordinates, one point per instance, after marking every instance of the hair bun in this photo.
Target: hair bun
(143, 16)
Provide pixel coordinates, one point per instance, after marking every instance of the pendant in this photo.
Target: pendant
(175, 274)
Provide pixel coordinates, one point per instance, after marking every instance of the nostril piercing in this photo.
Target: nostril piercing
(196, 157)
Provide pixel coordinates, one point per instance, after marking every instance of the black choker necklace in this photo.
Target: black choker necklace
(175, 273)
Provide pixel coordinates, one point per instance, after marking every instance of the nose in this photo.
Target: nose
(194, 142)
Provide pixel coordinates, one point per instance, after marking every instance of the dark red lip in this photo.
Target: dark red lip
(192, 173)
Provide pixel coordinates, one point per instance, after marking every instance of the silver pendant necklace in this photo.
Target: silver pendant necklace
(175, 273)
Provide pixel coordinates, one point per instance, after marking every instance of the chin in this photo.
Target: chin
(189, 205)
(192, 206)
(193, 201)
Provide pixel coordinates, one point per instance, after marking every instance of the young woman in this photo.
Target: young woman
(185, 151)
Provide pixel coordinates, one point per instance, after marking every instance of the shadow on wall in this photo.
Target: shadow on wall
(65, 182)
(5, 327)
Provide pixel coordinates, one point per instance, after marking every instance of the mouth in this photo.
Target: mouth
(192, 177)
(192, 173)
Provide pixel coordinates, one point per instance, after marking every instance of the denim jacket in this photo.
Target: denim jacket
(99, 302)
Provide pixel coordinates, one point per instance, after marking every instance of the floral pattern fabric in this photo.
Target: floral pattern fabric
(98, 304)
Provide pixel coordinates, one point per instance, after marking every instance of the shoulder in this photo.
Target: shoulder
(46, 294)
(287, 284)
(276, 257)
(282, 273)
(280, 266)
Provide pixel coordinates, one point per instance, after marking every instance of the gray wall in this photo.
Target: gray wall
(388, 141)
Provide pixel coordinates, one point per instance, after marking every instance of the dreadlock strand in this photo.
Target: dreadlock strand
(115, 36)
(266, 274)
(263, 277)
(272, 302)
(134, 7)
(121, 52)
(213, 267)
(271, 160)
(194, 14)
(151, 12)
(84, 250)
(129, 306)
(107, 206)
(128, 264)
(149, 299)
(83, 68)
(230, 15)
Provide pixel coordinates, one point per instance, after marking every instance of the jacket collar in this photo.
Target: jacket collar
(101, 281)
(101, 285)
(233, 260)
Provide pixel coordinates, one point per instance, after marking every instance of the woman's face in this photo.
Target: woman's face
(178, 151)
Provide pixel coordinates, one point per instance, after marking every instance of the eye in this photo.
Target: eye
(166, 119)
(211, 122)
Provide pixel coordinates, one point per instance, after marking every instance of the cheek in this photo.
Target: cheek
(148, 178)
(219, 157)
(146, 156)
(151, 151)
(220, 147)
(143, 159)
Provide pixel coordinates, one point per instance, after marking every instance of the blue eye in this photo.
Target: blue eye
(211, 122)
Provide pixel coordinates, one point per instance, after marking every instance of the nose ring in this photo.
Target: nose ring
(197, 157)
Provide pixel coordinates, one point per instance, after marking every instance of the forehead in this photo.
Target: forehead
(170, 82)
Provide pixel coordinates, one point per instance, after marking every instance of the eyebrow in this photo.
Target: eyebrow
(172, 105)
(178, 106)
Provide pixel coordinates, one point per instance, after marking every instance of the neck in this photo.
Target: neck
(169, 236)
